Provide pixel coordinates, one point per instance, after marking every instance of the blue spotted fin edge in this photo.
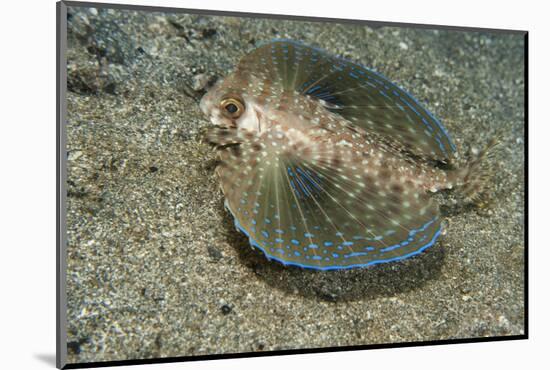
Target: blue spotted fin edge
(333, 267)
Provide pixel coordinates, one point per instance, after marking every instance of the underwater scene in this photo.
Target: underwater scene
(240, 184)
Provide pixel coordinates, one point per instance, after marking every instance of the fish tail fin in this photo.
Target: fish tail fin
(475, 175)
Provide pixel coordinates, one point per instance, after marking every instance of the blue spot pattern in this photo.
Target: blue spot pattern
(344, 255)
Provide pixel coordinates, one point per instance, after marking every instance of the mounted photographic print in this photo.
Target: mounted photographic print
(253, 184)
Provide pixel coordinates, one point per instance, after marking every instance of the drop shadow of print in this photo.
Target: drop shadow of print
(382, 280)
(46, 358)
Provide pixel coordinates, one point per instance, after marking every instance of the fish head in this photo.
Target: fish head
(239, 102)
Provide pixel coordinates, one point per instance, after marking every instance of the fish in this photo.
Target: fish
(327, 165)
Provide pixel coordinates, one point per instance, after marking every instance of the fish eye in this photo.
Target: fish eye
(232, 107)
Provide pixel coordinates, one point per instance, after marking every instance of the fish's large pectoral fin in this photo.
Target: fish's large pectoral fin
(364, 97)
(319, 207)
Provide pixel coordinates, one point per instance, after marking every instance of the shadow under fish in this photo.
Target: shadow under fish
(326, 165)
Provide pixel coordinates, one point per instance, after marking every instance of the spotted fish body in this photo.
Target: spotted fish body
(325, 164)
